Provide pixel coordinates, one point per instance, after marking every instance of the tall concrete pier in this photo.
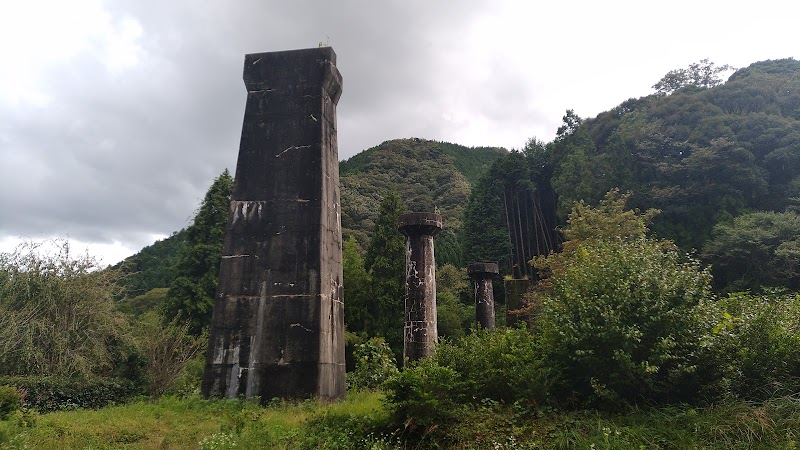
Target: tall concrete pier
(419, 333)
(481, 275)
(278, 323)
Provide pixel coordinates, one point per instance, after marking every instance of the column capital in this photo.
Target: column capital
(482, 270)
(420, 224)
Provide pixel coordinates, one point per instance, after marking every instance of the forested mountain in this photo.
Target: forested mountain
(153, 266)
(425, 174)
(704, 155)
(701, 151)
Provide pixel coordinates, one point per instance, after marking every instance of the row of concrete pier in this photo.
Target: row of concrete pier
(420, 331)
(278, 321)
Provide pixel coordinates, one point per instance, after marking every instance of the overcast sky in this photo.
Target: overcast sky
(115, 116)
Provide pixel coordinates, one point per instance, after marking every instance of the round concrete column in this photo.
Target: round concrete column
(481, 275)
(419, 333)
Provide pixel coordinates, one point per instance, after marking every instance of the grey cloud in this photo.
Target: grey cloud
(121, 156)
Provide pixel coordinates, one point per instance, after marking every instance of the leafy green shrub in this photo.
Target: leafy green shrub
(424, 396)
(188, 383)
(374, 362)
(751, 353)
(620, 315)
(453, 318)
(351, 343)
(46, 394)
(482, 368)
(9, 401)
(455, 308)
(504, 366)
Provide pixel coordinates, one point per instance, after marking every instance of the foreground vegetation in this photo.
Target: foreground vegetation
(360, 422)
(631, 349)
(628, 339)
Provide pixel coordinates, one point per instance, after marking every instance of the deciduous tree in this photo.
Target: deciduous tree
(704, 73)
(619, 317)
(756, 250)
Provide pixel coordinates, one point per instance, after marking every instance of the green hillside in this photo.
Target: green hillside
(703, 152)
(705, 155)
(153, 266)
(426, 174)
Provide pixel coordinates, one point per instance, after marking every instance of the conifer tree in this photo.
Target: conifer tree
(357, 288)
(191, 296)
(386, 263)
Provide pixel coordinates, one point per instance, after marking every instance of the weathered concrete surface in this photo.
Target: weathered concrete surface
(481, 275)
(420, 334)
(278, 323)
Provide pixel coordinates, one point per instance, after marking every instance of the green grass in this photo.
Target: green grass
(772, 425)
(359, 422)
(183, 423)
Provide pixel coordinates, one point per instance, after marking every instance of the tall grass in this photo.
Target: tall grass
(191, 423)
(360, 423)
(738, 425)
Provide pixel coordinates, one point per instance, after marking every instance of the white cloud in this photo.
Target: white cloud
(116, 116)
(39, 39)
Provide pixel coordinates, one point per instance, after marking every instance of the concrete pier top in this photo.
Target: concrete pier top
(420, 224)
(292, 72)
(482, 269)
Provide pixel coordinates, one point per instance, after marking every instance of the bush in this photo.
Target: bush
(751, 353)
(424, 396)
(500, 367)
(453, 318)
(167, 348)
(9, 401)
(56, 313)
(374, 364)
(189, 381)
(620, 319)
(46, 394)
(504, 366)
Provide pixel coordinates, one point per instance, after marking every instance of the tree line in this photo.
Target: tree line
(720, 161)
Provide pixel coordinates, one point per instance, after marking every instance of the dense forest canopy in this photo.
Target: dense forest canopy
(703, 154)
(427, 175)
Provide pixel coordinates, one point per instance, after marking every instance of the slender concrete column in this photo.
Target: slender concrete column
(278, 323)
(419, 333)
(481, 274)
